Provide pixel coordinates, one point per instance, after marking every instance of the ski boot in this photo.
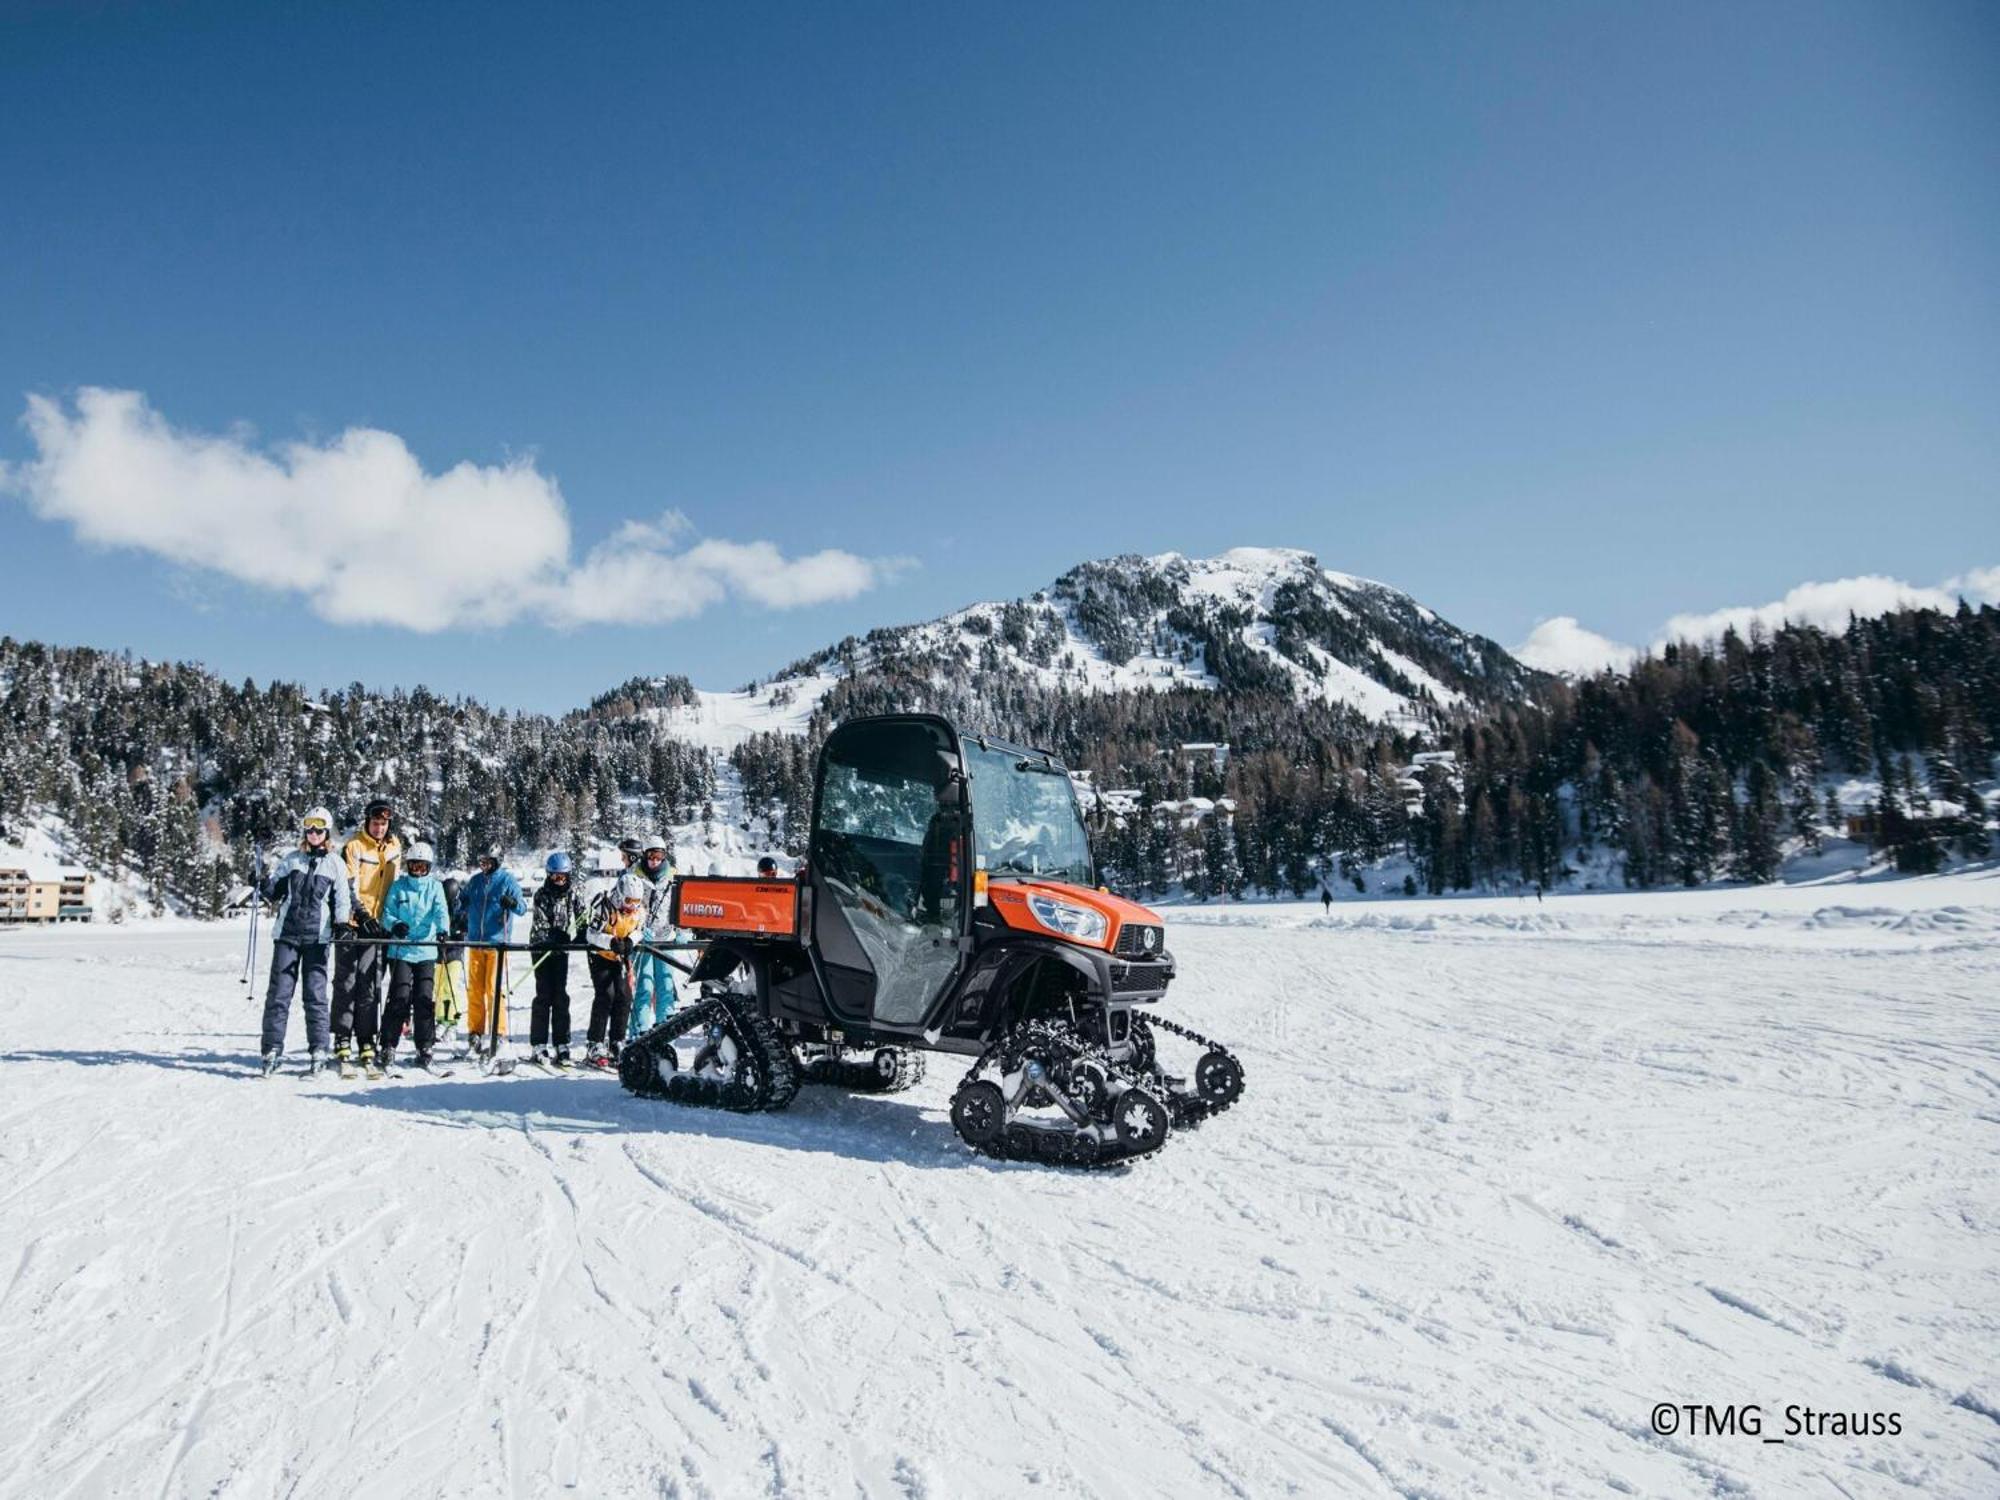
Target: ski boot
(316, 1063)
(541, 1057)
(599, 1057)
(562, 1060)
(271, 1060)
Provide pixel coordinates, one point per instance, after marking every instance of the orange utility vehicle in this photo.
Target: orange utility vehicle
(948, 903)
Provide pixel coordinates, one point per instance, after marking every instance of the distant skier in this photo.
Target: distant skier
(653, 994)
(767, 869)
(308, 890)
(1325, 899)
(416, 911)
(370, 856)
(559, 918)
(490, 899)
(617, 917)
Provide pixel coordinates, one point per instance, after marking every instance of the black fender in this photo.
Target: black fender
(978, 1001)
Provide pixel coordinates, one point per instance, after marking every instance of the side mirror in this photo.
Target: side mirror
(955, 794)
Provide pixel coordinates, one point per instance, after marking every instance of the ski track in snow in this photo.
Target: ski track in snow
(1506, 1176)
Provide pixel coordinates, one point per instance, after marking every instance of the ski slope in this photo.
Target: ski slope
(1508, 1175)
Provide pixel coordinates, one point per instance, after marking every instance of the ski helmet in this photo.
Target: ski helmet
(767, 866)
(631, 846)
(318, 818)
(656, 841)
(557, 863)
(628, 892)
(418, 853)
(377, 808)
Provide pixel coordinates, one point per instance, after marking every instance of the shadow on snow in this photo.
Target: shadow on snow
(820, 1121)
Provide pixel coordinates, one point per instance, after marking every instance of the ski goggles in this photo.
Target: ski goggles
(316, 825)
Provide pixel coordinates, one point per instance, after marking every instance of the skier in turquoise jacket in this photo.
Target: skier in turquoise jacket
(416, 912)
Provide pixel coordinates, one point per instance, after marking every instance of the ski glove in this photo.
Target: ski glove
(401, 930)
(508, 903)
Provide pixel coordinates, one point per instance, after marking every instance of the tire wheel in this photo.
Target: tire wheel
(1090, 1086)
(979, 1112)
(1144, 1054)
(888, 1063)
(641, 1072)
(1218, 1078)
(1141, 1121)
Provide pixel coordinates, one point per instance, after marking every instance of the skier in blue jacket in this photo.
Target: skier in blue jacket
(488, 902)
(309, 890)
(415, 910)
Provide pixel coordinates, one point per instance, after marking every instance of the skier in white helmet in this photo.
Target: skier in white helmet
(415, 912)
(653, 996)
(308, 888)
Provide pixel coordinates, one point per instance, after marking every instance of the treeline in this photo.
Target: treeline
(1705, 762)
(168, 772)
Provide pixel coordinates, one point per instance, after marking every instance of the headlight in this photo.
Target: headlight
(1084, 923)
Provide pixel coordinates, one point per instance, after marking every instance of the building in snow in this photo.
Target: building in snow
(64, 898)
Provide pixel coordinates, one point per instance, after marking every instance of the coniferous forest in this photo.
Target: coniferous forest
(1703, 762)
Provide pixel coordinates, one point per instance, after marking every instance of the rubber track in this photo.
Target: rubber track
(776, 1072)
(1057, 1147)
(862, 1078)
(1185, 1109)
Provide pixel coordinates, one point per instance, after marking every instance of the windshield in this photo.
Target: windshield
(1024, 817)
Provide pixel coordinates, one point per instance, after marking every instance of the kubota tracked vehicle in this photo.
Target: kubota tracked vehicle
(948, 904)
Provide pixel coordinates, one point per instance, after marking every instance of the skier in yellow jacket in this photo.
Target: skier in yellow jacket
(372, 857)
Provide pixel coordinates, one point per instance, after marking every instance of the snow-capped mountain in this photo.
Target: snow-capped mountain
(1253, 618)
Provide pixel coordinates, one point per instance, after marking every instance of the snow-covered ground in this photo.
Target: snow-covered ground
(1508, 1176)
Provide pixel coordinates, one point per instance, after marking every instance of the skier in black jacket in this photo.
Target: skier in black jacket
(559, 917)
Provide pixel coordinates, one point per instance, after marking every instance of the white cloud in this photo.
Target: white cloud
(367, 537)
(1562, 645)
(1828, 605)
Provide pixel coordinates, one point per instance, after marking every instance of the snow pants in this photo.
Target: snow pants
(410, 986)
(653, 997)
(551, 1013)
(357, 990)
(611, 999)
(482, 988)
(287, 959)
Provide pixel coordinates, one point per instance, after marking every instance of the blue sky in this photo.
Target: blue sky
(1596, 310)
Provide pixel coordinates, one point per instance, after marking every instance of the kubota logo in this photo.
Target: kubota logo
(704, 909)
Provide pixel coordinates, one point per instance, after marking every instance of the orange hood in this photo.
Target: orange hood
(1010, 900)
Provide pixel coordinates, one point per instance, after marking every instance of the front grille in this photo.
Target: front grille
(1132, 941)
(1139, 979)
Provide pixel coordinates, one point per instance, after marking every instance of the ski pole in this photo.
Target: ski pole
(256, 885)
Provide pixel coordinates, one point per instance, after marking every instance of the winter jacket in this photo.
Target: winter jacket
(658, 891)
(483, 901)
(610, 922)
(372, 867)
(456, 906)
(419, 901)
(310, 893)
(559, 913)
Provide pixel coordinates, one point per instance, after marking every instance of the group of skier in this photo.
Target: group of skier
(376, 908)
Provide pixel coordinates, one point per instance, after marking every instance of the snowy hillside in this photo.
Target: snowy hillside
(1253, 617)
(1508, 1176)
